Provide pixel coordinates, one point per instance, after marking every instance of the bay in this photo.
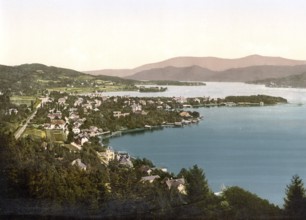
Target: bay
(257, 148)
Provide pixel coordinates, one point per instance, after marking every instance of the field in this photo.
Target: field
(35, 133)
(105, 88)
(56, 136)
(19, 100)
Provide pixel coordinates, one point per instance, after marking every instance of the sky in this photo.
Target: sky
(113, 34)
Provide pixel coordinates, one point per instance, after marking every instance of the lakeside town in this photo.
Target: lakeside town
(72, 120)
(70, 132)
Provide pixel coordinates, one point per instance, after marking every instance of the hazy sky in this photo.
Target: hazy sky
(100, 34)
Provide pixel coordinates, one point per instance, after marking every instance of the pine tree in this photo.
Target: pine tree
(295, 202)
(197, 186)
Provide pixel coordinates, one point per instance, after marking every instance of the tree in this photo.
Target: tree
(295, 202)
(238, 203)
(197, 186)
(70, 137)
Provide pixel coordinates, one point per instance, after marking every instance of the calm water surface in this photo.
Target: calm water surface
(257, 148)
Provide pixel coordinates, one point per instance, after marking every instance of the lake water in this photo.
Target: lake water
(257, 148)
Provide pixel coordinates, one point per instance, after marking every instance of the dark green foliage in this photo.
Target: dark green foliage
(142, 162)
(70, 136)
(295, 200)
(33, 172)
(197, 186)
(269, 100)
(42, 182)
(152, 89)
(237, 203)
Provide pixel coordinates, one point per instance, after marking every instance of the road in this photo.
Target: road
(20, 131)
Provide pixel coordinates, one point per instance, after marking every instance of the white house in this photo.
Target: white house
(79, 163)
(179, 184)
(149, 179)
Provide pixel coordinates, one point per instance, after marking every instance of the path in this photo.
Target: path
(20, 131)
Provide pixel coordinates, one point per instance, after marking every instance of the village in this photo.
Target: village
(67, 135)
(75, 121)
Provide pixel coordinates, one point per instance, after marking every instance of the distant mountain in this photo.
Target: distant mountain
(211, 63)
(192, 73)
(111, 72)
(196, 73)
(295, 81)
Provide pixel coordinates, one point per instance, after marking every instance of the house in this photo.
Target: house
(124, 159)
(78, 102)
(142, 102)
(87, 106)
(168, 107)
(12, 111)
(180, 100)
(118, 114)
(76, 130)
(97, 103)
(178, 184)
(84, 140)
(74, 116)
(149, 179)
(58, 124)
(106, 156)
(230, 104)
(184, 114)
(62, 101)
(72, 110)
(93, 129)
(197, 100)
(136, 108)
(145, 169)
(56, 115)
(178, 124)
(47, 126)
(78, 162)
(144, 112)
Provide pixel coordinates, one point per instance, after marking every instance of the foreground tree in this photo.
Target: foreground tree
(295, 202)
(197, 186)
(237, 203)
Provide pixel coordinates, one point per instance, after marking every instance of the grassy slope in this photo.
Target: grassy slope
(35, 77)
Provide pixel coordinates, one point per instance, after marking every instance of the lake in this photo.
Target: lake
(257, 148)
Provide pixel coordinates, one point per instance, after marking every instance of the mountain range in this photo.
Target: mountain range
(254, 67)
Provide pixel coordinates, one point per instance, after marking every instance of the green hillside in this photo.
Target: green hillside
(295, 81)
(33, 79)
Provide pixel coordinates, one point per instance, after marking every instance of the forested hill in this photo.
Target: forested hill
(197, 73)
(29, 78)
(296, 81)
